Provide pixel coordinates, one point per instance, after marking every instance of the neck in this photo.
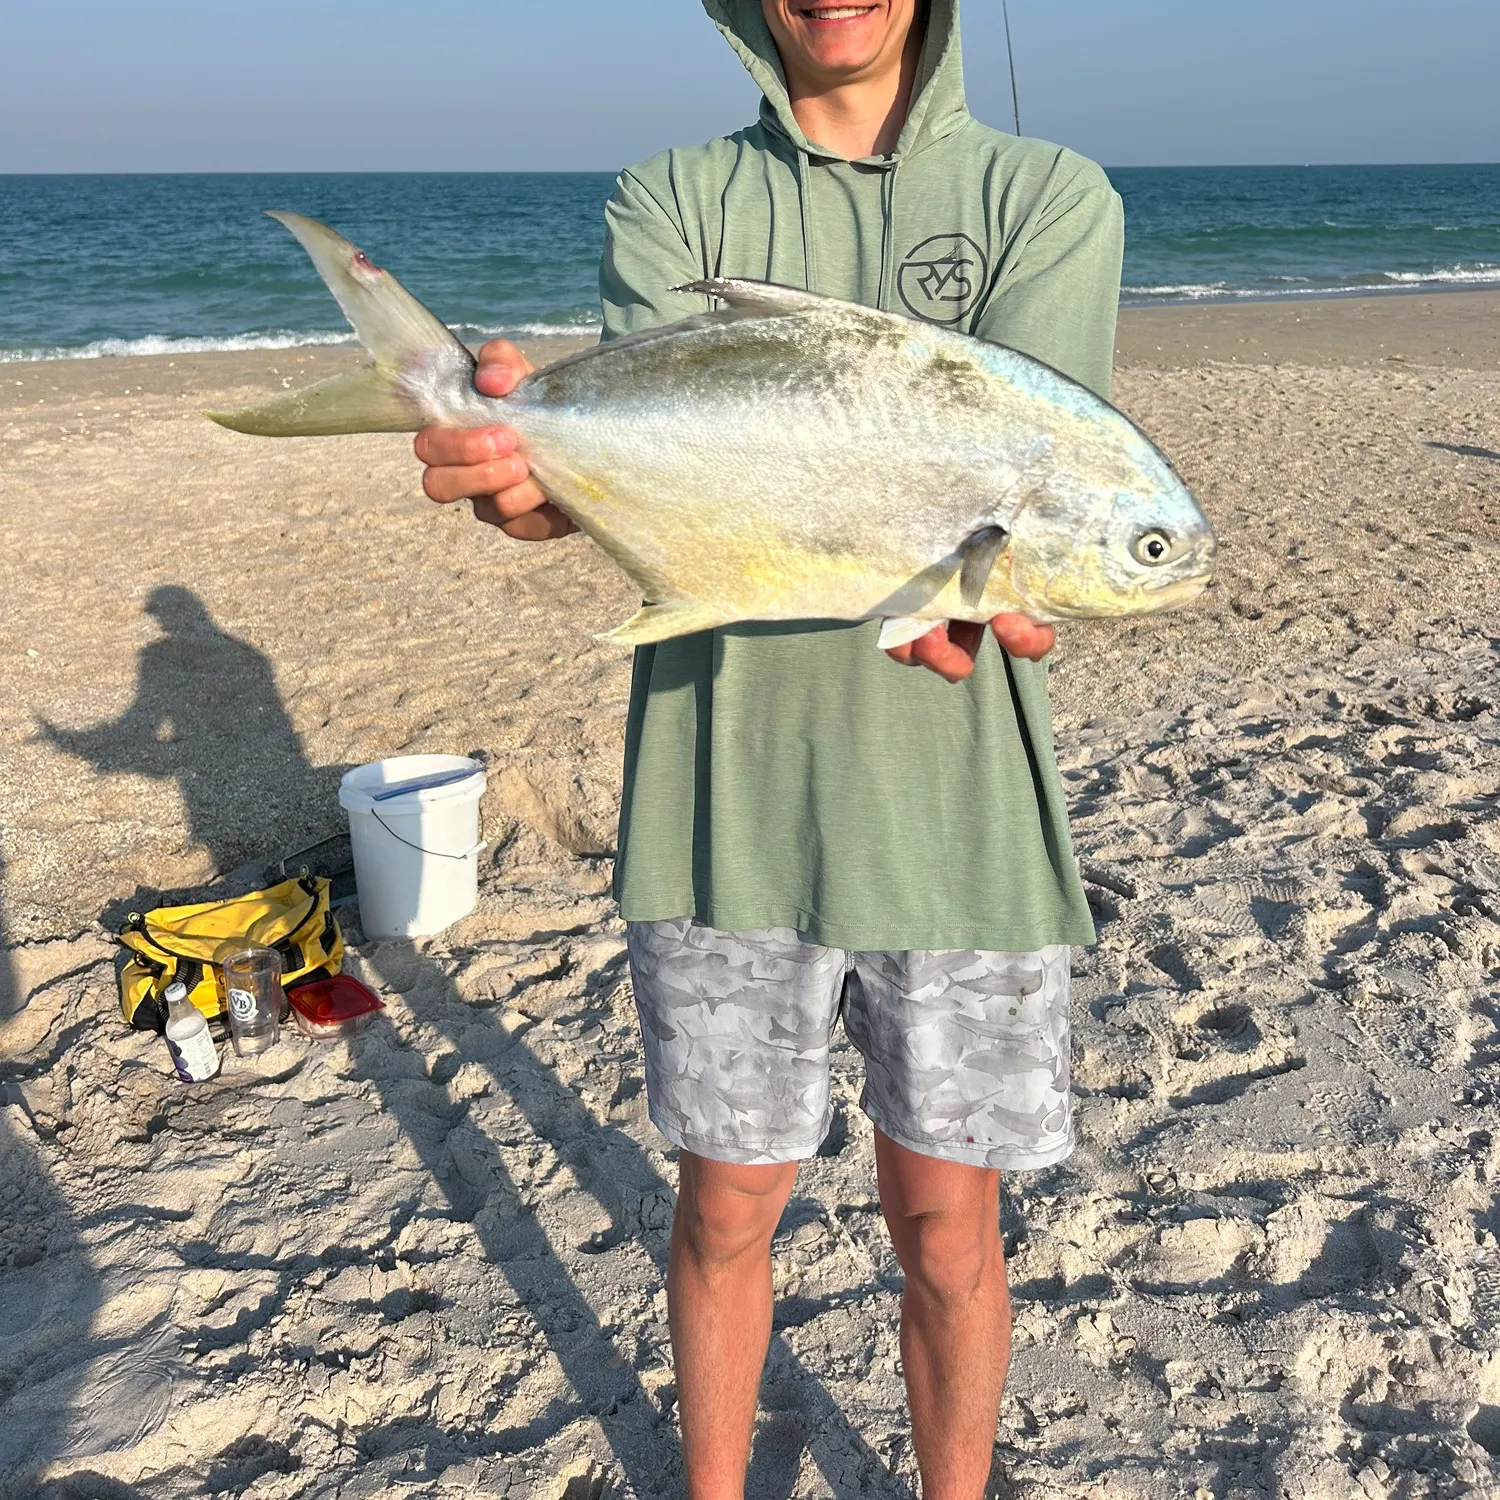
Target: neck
(860, 116)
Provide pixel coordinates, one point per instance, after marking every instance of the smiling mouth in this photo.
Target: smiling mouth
(827, 14)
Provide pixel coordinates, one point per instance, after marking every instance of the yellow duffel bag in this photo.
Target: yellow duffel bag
(187, 943)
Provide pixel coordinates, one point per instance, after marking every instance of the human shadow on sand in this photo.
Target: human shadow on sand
(208, 715)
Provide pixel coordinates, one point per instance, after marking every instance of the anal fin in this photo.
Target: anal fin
(903, 628)
(663, 622)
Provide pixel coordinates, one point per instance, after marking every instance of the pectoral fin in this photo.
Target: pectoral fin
(904, 628)
(662, 622)
(980, 549)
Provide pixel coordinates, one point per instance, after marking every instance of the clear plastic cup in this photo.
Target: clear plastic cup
(252, 984)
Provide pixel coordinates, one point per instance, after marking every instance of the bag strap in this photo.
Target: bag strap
(135, 935)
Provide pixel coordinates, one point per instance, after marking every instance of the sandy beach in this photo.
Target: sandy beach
(428, 1262)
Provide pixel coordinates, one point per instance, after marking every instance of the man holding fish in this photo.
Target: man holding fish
(808, 832)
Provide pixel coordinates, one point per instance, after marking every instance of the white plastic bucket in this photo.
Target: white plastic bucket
(416, 845)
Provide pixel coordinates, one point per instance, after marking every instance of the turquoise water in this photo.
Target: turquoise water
(139, 264)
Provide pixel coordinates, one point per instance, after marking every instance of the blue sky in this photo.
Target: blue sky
(173, 85)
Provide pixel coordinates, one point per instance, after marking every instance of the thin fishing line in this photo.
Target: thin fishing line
(1015, 99)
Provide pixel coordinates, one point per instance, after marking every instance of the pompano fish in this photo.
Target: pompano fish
(790, 456)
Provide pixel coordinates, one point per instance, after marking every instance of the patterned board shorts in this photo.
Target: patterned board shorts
(966, 1051)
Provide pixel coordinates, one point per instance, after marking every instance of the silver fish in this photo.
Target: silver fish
(789, 456)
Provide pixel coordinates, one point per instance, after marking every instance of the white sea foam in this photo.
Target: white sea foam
(582, 329)
(1194, 290)
(157, 343)
(277, 338)
(1483, 275)
(1480, 275)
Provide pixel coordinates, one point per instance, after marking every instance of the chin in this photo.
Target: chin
(841, 57)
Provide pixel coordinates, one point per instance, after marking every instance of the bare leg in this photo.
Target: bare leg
(719, 1305)
(944, 1220)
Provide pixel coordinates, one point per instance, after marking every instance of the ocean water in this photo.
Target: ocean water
(178, 263)
(93, 266)
(1195, 232)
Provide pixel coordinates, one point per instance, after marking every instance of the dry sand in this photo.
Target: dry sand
(428, 1263)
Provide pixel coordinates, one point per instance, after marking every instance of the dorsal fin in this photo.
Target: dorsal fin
(762, 299)
(741, 301)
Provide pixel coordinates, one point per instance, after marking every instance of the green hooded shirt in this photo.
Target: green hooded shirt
(794, 775)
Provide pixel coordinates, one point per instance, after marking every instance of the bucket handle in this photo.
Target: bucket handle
(431, 853)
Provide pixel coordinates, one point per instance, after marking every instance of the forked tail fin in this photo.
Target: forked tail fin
(418, 370)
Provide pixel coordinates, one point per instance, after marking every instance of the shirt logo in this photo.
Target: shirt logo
(942, 279)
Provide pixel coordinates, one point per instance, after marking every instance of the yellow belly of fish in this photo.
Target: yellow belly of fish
(730, 562)
(756, 582)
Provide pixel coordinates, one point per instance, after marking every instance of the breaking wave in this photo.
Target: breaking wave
(1190, 292)
(1483, 275)
(1302, 286)
(275, 338)
(162, 344)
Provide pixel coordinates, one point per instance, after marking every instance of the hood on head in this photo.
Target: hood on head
(937, 108)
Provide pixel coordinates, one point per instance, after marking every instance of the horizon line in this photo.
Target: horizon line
(1249, 166)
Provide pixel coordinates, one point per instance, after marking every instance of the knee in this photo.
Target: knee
(948, 1257)
(725, 1212)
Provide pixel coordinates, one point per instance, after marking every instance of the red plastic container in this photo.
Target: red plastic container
(328, 1010)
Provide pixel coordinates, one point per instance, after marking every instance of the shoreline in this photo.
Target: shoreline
(1419, 325)
(1228, 298)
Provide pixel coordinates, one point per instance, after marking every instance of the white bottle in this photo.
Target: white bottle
(191, 1046)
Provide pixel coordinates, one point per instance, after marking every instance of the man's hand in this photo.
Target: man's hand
(950, 650)
(481, 463)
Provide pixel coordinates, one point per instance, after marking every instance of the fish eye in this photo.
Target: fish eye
(1151, 548)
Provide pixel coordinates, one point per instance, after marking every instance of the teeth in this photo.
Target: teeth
(839, 12)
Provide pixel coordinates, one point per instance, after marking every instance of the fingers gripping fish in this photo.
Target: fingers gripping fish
(788, 456)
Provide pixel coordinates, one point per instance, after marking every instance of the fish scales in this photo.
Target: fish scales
(789, 456)
(748, 483)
